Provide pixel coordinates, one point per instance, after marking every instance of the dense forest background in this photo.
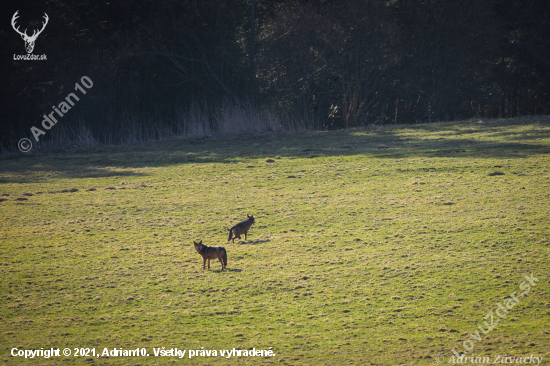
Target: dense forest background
(184, 67)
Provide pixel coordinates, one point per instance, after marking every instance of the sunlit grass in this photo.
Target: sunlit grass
(385, 245)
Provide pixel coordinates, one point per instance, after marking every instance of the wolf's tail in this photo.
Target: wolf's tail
(230, 234)
(224, 258)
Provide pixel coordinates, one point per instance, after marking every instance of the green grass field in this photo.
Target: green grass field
(375, 246)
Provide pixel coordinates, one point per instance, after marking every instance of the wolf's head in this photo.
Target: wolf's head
(251, 219)
(198, 246)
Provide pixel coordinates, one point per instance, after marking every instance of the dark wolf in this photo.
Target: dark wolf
(211, 253)
(241, 228)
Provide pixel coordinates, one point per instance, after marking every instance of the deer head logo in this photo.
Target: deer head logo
(29, 40)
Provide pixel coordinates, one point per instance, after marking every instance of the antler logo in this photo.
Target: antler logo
(29, 40)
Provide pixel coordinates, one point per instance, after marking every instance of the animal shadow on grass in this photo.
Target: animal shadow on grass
(254, 242)
(226, 270)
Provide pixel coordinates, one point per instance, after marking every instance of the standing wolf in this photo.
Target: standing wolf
(211, 253)
(241, 228)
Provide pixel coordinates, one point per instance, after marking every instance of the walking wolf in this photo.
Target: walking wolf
(211, 253)
(241, 228)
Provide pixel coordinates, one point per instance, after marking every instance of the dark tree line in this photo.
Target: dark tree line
(327, 63)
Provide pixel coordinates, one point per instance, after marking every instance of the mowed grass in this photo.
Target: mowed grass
(382, 246)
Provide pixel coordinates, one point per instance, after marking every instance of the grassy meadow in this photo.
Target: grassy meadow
(374, 246)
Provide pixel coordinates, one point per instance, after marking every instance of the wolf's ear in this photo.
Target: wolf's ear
(248, 216)
(200, 242)
(194, 242)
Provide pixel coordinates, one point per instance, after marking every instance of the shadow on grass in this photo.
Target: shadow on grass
(496, 138)
(254, 242)
(43, 173)
(227, 269)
